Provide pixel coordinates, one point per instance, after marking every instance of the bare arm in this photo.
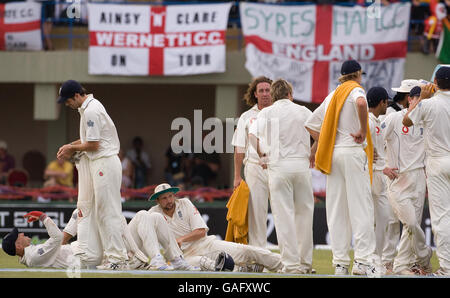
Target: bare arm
(238, 161)
(361, 108)
(66, 238)
(66, 151)
(192, 236)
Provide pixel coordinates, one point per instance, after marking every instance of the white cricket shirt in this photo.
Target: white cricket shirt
(405, 147)
(185, 219)
(378, 141)
(240, 136)
(434, 113)
(96, 125)
(281, 131)
(51, 253)
(348, 119)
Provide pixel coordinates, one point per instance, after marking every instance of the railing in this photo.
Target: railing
(233, 21)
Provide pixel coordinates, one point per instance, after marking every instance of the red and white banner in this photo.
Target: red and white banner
(306, 44)
(20, 26)
(157, 40)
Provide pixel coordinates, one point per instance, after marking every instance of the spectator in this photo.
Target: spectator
(59, 173)
(174, 172)
(419, 13)
(7, 162)
(141, 163)
(206, 166)
(48, 13)
(127, 170)
(433, 26)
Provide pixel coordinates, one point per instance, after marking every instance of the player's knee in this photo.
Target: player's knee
(156, 217)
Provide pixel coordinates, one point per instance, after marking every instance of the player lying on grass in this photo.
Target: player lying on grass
(190, 231)
(56, 252)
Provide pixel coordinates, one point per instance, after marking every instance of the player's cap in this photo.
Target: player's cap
(9, 242)
(406, 86)
(161, 189)
(415, 91)
(443, 73)
(350, 66)
(375, 95)
(68, 90)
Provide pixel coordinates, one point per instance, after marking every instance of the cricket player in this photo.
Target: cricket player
(340, 127)
(149, 231)
(56, 252)
(405, 152)
(258, 97)
(281, 128)
(100, 143)
(434, 113)
(400, 100)
(190, 231)
(387, 226)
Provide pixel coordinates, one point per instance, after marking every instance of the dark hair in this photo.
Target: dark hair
(249, 95)
(399, 96)
(443, 83)
(373, 104)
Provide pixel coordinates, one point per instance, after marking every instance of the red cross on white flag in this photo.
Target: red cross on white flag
(306, 44)
(157, 40)
(20, 26)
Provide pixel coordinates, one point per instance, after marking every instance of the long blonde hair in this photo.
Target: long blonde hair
(350, 76)
(280, 89)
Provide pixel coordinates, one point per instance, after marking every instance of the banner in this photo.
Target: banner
(306, 44)
(20, 26)
(157, 40)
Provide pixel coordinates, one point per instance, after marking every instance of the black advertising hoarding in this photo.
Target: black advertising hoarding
(12, 212)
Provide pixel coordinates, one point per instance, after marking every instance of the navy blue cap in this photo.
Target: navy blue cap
(350, 66)
(9, 242)
(415, 91)
(68, 90)
(375, 95)
(443, 73)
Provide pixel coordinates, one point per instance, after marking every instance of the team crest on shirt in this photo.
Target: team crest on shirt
(40, 251)
(180, 215)
(383, 125)
(90, 123)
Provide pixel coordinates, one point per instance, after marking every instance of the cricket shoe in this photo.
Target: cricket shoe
(440, 272)
(158, 263)
(251, 268)
(136, 264)
(121, 266)
(421, 270)
(180, 264)
(340, 270)
(367, 270)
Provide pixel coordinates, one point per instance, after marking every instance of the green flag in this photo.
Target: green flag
(444, 45)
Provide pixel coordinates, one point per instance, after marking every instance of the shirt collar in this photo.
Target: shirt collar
(87, 101)
(255, 107)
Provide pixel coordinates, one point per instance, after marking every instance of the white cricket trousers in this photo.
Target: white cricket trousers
(292, 203)
(438, 182)
(242, 254)
(350, 208)
(258, 203)
(150, 231)
(387, 226)
(407, 197)
(101, 227)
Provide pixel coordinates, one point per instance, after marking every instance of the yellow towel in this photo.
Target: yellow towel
(327, 138)
(237, 229)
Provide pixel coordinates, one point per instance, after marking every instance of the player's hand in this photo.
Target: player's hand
(391, 173)
(237, 182)
(263, 160)
(375, 155)
(312, 161)
(427, 91)
(359, 137)
(65, 152)
(35, 215)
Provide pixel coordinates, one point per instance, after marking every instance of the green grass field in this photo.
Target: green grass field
(321, 262)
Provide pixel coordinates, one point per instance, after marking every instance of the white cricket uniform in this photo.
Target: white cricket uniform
(387, 226)
(435, 114)
(256, 178)
(51, 253)
(405, 151)
(149, 231)
(106, 175)
(187, 218)
(349, 201)
(281, 129)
